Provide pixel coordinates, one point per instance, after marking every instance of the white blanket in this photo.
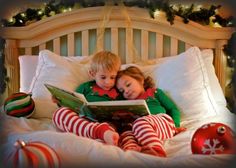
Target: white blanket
(79, 151)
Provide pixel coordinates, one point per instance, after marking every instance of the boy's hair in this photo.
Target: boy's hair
(137, 74)
(105, 60)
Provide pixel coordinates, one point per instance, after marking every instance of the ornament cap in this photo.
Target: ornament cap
(19, 144)
(221, 130)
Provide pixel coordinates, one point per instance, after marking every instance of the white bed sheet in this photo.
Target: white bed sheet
(79, 151)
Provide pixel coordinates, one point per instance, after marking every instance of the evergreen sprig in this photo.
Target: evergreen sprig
(53, 7)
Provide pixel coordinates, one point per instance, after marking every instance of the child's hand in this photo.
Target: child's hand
(180, 129)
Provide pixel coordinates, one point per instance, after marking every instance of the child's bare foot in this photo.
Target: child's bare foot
(133, 148)
(127, 141)
(156, 151)
(110, 137)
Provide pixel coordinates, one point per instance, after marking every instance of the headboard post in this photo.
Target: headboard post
(12, 65)
(220, 63)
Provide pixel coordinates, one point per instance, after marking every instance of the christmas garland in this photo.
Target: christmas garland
(201, 15)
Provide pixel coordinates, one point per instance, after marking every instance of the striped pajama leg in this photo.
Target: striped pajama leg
(127, 141)
(150, 131)
(68, 121)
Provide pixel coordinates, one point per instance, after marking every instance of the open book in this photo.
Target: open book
(99, 111)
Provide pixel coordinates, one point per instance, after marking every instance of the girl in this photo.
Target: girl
(103, 69)
(148, 132)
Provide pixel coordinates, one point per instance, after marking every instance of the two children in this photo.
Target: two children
(147, 133)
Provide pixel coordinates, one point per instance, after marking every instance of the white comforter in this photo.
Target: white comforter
(79, 151)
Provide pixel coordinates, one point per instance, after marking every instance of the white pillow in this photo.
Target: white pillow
(28, 64)
(184, 78)
(64, 72)
(216, 90)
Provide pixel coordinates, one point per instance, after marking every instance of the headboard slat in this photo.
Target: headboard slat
(129, 45)
(100, 39)
(114, 40)
(144, 42)
(174, 46)
(159, 45)
(71, 44)
(28, 51)
(56, 46)
(42, 46)
(85, 42)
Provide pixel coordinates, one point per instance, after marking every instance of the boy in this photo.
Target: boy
(103, 69)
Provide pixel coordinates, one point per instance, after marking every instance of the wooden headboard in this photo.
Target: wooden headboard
(127, 31)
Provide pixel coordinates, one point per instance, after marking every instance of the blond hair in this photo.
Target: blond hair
(105, 60)
(137, 74)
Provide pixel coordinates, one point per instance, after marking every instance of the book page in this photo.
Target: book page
(81, 97)
(116, 110)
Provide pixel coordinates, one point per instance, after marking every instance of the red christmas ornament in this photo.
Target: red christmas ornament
(33, 155)
(213, 138)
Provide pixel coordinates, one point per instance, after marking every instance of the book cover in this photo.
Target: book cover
(65, 98)
(100, 111)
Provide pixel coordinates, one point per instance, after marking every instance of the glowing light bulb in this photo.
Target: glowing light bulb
(158, 13)
(175, 7)
(23, 14)
(198, 8)
(185, 6)
(40, 12)
(11, 20)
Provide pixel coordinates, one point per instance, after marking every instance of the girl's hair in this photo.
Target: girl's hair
(105, 60)
(137, 74)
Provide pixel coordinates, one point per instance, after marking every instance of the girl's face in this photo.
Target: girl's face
(130, 87)
(104, 79)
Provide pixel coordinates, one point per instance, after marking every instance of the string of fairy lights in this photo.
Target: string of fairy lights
(205, 16)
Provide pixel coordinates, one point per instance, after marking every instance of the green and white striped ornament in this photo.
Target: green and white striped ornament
(19, 105)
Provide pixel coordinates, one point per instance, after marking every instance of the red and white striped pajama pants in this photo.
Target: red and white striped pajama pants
(67, 120)
(149, 132)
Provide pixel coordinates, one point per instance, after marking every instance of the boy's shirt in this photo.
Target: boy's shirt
(93, 93)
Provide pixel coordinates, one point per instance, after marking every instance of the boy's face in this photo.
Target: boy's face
(130, 87)
(105, 79)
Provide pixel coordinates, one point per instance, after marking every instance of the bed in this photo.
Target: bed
(186, 61)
